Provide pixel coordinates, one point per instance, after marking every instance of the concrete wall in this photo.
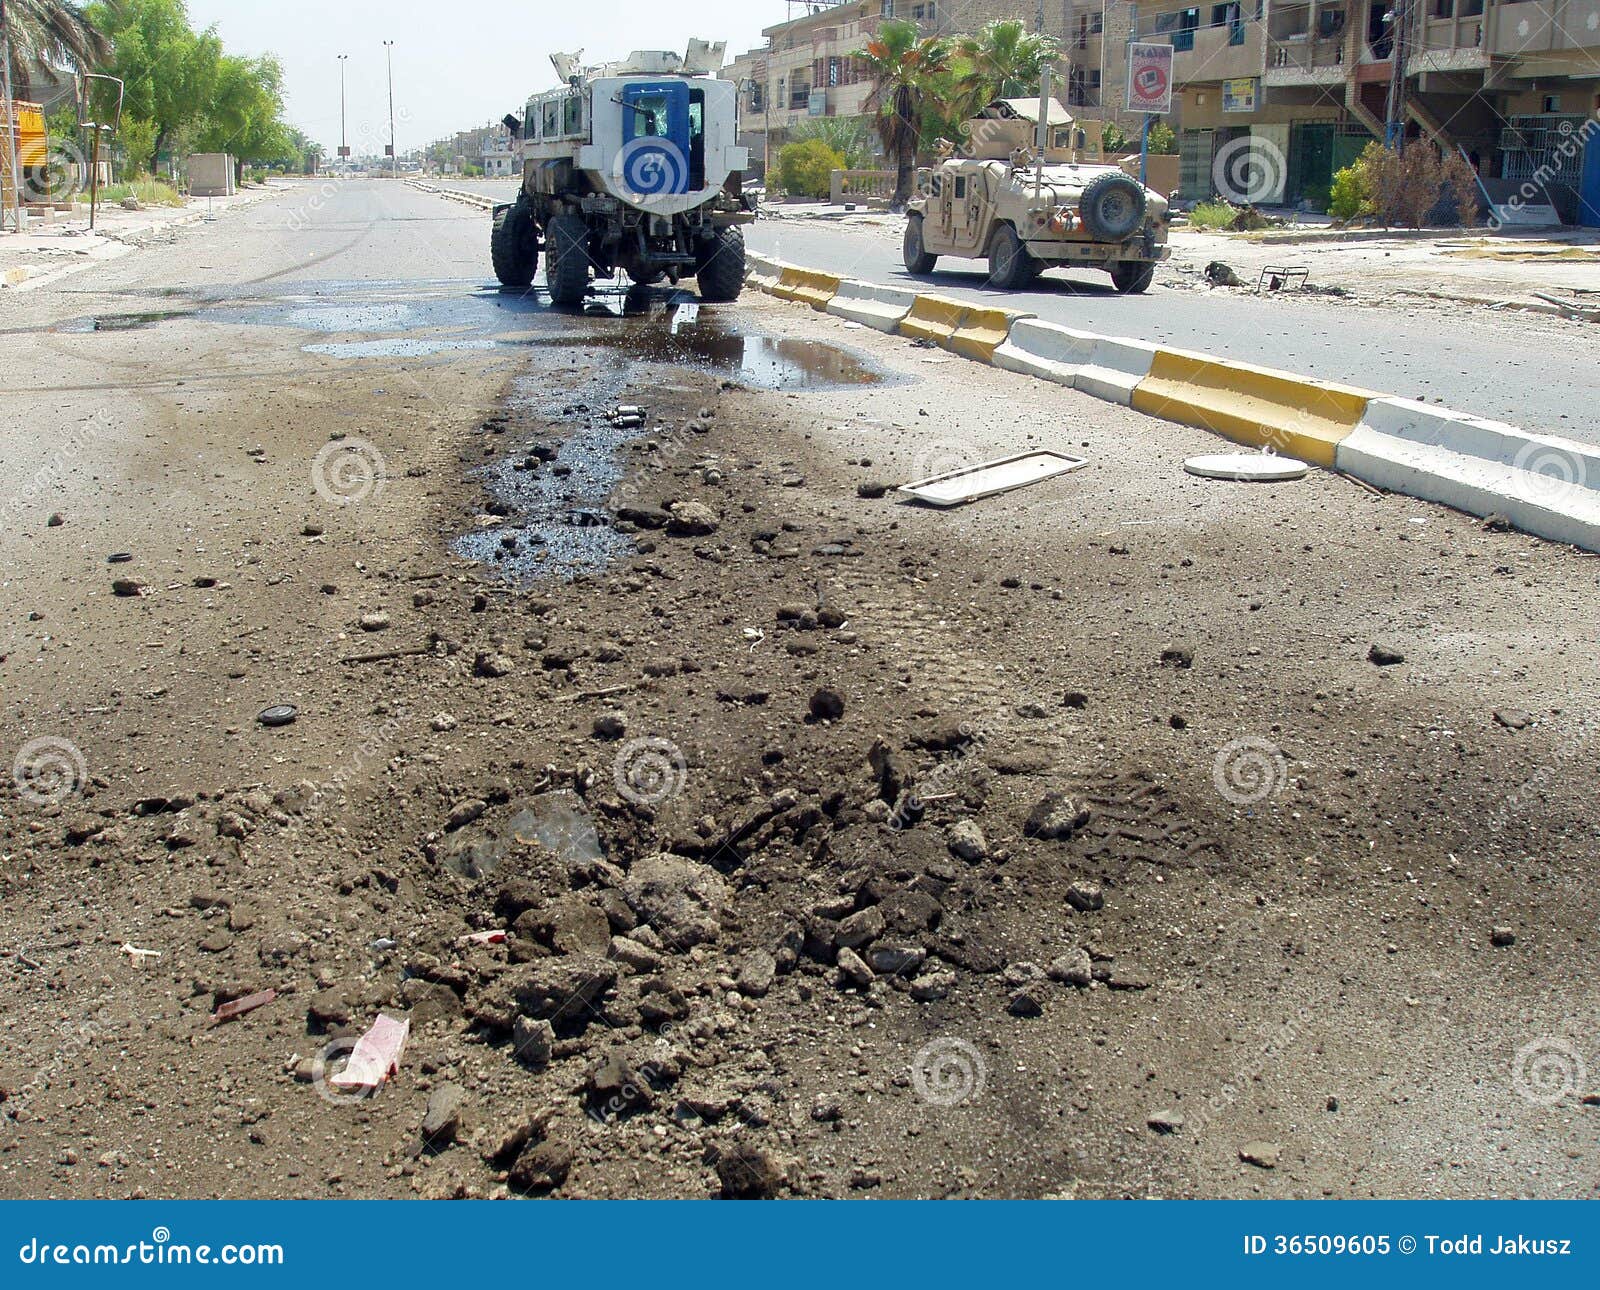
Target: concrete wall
(210, 174)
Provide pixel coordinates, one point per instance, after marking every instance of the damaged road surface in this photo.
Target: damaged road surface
(668, 807)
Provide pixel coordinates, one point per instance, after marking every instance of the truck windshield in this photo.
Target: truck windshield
(649, 116)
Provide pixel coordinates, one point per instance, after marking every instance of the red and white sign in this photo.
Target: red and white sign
(1149, 78)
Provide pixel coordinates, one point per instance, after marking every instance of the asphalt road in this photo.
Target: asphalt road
(1529, 370)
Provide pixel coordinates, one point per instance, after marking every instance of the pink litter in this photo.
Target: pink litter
(376, 1058)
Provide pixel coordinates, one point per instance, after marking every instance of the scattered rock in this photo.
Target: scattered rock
(492, 665)
(1073, 968)
(1384, 655)
(532, 1042)
(610, 725)
(748, 1173)
(375, 622)
(464, 813)
(872, 489)
(1502, 937)
(854, 968)
(1055, 817)
(615, 1089)
(127, 587)
(1513, 718)
(542, 1167)
(1165, 1122)
(1086, 897)
(569, 989)
(681, 899)
(1264, 1155)
(692, 519)
(1178, 656)
(827, 705)
(966, 841)
(442, 1119)
(757, 972)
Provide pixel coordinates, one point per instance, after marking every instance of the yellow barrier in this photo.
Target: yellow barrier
(816, 289)
(789, 282)
(982, 332)
(1253, 405)
(934, 318)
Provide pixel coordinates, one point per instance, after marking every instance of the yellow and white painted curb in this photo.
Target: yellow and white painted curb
(1542, 484)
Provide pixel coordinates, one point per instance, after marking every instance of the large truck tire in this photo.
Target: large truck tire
(912, 250)
(1132, 277)
(1008, 260)
(513, 247)
(719, 266)
(566, 260)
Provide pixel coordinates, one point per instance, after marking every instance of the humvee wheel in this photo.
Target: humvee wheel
(643, 279)
(1008, 260)
(513, 247)
(719, 266)
(912, 251)
(1130, 277)
(566, 260)
(1112, 207)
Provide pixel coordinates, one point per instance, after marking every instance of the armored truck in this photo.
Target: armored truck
(997, 197)
(632, 166)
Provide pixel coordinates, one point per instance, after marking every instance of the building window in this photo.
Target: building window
(1444, 8)
(1552, 102)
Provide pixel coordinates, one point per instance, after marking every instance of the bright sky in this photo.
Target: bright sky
(456, 65)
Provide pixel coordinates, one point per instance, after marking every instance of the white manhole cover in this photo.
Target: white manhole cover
(1246, 467)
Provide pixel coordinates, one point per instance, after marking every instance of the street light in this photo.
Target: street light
(344, 148)
(394, 157)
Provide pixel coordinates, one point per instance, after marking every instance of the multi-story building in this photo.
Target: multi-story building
(806, 67)
(1514, 84)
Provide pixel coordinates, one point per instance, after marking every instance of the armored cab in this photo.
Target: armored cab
(630, 166)
(997, 197)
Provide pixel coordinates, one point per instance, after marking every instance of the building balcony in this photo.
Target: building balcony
(1210, 54)
(1303, 59)
(1542, 27)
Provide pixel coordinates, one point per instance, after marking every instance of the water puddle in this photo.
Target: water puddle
(119, 322)
(394, 347)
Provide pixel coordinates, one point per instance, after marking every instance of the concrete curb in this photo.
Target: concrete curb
(1542, 484)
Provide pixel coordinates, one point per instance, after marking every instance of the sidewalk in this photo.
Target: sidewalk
(52, 249)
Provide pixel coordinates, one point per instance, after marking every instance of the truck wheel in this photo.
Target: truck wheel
(1008, 260)
(1131, 277)
(916, 256)
(1112, 207)
(513, 247)
(566, 260)
(719, 266)
(644, 279)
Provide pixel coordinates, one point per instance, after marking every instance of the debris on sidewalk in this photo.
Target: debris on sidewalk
(1247, 467)
(1282, 277)
(236, 1008)
(991, 477)
(136, 955)
(376, 1057)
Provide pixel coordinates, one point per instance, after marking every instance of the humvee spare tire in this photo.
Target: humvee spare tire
(1112, 207)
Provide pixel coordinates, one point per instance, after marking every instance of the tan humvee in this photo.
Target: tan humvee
(992, 199)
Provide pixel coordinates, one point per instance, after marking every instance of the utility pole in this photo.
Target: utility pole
(394, 157)
(1394, 125)
(13, 167)
(344, 147)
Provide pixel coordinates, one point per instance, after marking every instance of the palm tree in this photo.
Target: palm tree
(902, 66)
(1007, 60)
(52, 31)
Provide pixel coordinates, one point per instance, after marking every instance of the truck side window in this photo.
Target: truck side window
(961, 187)
(697, 140)
(572, 122)
(552, 119)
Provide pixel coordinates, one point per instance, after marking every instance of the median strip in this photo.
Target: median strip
(1542, 484)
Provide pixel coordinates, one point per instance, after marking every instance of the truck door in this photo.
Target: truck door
(656, 146)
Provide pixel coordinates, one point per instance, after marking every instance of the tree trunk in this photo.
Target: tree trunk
(155, 150)
(905, 169)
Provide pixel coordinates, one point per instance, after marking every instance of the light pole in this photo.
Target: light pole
(344, 147)
(394, 157)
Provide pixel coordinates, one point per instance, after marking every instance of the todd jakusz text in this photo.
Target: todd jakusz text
(1500, 1243)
